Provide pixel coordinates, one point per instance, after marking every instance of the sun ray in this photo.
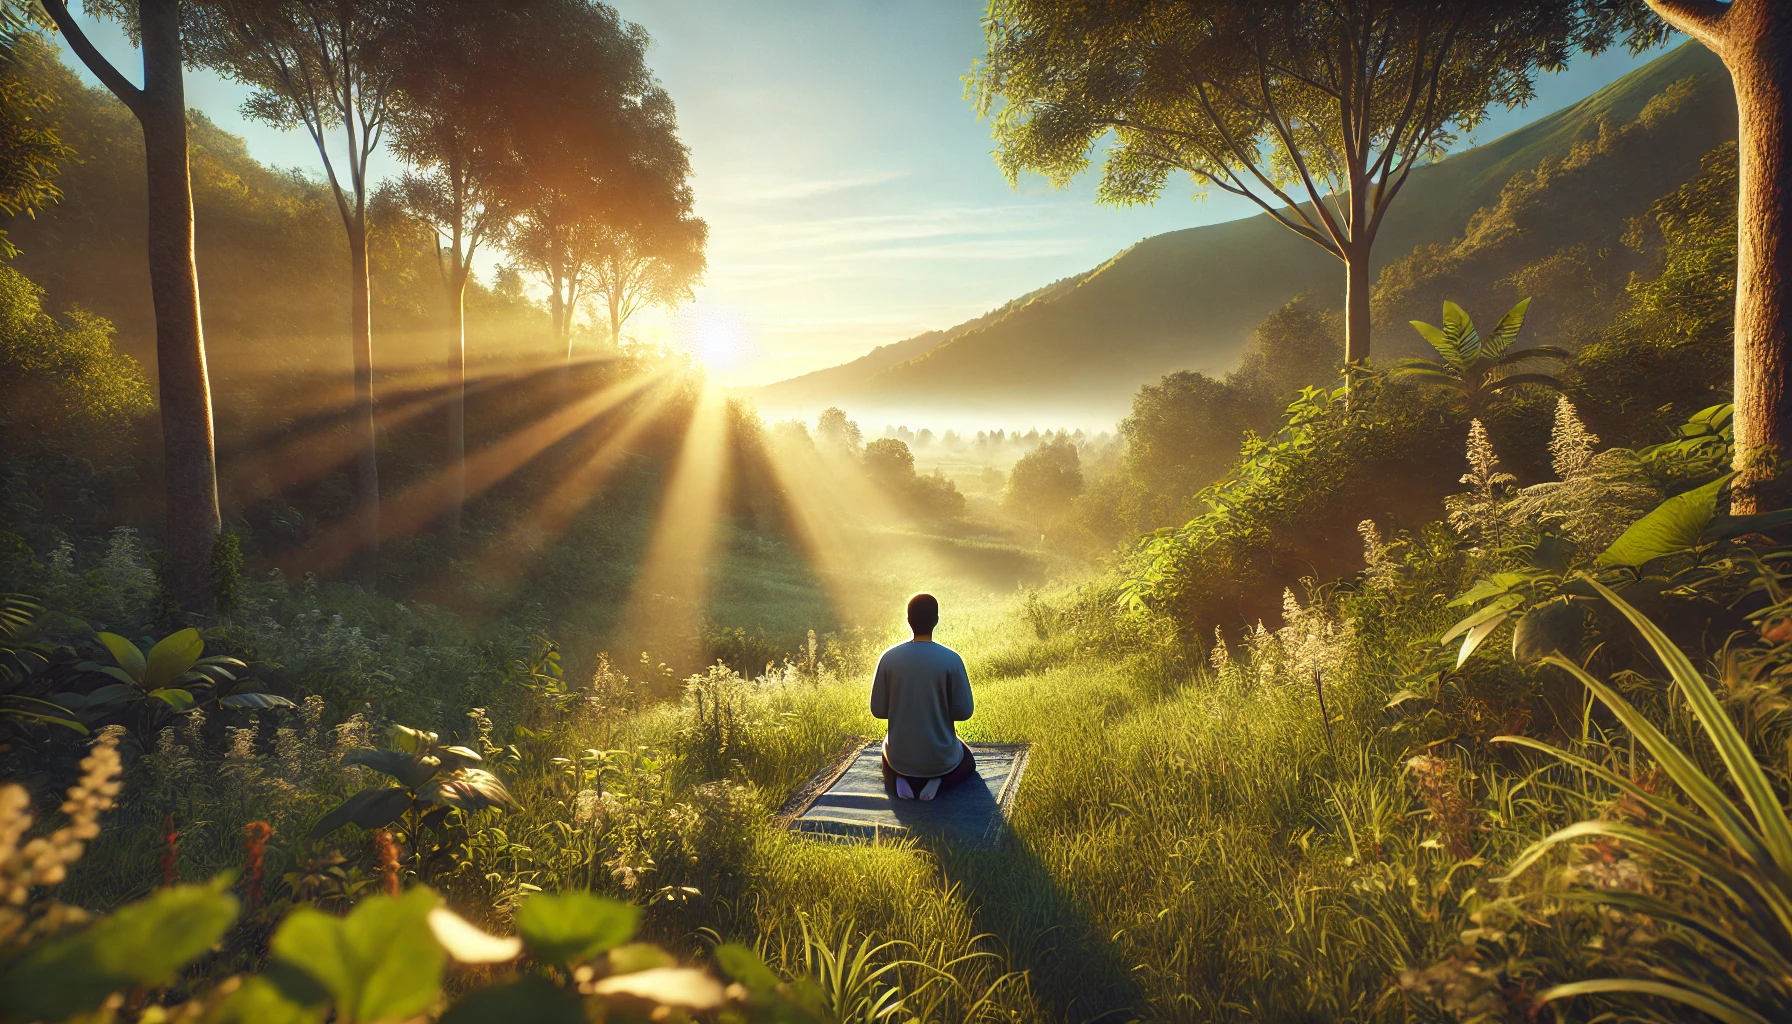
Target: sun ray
(666, 603)
(507, 557)
(422, 502)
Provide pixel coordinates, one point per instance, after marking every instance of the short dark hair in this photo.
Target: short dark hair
(923, 613)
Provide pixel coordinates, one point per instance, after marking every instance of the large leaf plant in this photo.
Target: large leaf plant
(431, 780)
(175, 676)
(1477, 368)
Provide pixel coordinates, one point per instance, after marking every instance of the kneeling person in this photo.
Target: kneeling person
(921, 688)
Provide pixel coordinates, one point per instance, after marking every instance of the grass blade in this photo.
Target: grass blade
(1776, 830)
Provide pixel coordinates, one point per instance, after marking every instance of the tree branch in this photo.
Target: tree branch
(109, 76)
(1701, 19)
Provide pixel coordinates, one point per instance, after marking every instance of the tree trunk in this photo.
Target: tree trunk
(1356, 303)
(361, 431)
(557, 307)
(1757, 48)
(190, 470)
(615, 322)
(457, 404)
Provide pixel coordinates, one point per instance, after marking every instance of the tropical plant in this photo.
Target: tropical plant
(1723, 904)
(1479, 368)
(433, 780)
(174, 672)
(23, 656)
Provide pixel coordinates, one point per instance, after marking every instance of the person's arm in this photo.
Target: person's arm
(962, 704)
(880, 692)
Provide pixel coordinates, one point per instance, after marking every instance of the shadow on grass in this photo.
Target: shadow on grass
(1071, 966)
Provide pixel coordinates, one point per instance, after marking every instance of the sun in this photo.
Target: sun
(715, 336)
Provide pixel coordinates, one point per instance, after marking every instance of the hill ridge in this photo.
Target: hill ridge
(1189, 298)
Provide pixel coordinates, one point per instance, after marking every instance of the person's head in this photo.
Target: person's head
(923, 614)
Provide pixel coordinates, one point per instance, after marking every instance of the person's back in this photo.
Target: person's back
(921, 688)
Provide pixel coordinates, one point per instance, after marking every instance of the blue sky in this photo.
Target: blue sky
(849, 187)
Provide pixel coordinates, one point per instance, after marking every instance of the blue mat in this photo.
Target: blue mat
(847, 800)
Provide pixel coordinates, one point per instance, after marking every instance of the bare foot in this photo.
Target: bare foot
(929, 791)
(903, 790)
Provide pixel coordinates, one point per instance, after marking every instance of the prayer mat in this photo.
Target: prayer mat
(847, 799)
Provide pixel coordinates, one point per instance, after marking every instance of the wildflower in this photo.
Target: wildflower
(1777, 631)
(589, 808)
(386, 849)
(1570, 442)
(255, 843)
(1436, 781)
(45, 860)
(170, 852)
(1476, 514)
(1220, 655)
(193, 731)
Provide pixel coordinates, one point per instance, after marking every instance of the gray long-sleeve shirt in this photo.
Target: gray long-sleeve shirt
(922, 688)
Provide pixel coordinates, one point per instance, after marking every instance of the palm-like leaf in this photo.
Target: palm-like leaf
(1506, 330)
(1519, 355)
(1440, 340)
(1459, 330)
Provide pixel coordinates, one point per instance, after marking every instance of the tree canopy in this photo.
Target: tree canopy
(1315, 111)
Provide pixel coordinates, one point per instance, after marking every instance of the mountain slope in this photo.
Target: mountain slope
(1189, 299)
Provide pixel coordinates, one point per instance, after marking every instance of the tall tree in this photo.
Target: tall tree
(654, 263)
(602, 157)
(462, 65)
(188, 445)
(1754, 40)
(1315, 110)
(555, 240)
(325, 65)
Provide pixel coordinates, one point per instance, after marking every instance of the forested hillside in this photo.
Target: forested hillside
(1190, 299)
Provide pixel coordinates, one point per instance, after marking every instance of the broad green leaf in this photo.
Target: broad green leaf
(109, 693)
(638, 956)
(472, 789)
(141, 944)
(412, 741)
(1478, 634)
(1545, 629)
(125, 653)
(1675, 526)
(535, 1000)
(124, 678)
(1499, 607)
(380, 963)
(370, 808)
(1498, 583)
(744, 965)
(170, 659)
(258, 1000)
(409, 769)
(174, 697)
(574, 926)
